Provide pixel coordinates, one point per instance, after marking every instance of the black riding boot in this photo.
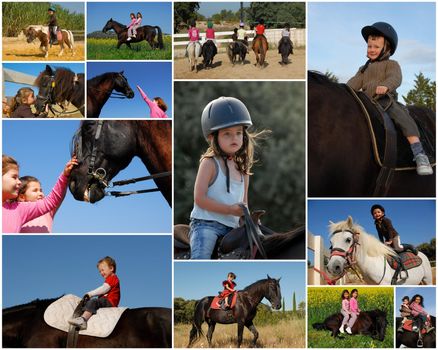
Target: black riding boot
(397, 272)
(410, 248)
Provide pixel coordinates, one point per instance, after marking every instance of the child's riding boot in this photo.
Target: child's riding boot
(423, 165)
(410, 248)
(78, 322)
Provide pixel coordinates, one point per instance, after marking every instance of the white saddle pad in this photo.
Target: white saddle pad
(100, 325)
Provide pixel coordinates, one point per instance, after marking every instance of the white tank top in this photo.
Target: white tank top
(218, 191)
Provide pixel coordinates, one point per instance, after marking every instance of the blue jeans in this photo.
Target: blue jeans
(96, 303)
(203, 237)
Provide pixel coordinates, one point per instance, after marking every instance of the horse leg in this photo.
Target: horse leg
(211, 327)
(61, 44)
(240, 327)
(254, 331)
(119, 43)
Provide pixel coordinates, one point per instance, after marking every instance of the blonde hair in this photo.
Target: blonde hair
(8, 163)
(21, 97)
(110, 262)
(244, 157)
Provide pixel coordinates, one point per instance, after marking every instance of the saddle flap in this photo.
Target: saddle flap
(100, 325)
(409, 324)
(215, 304)
(233, 240)
(409, 260)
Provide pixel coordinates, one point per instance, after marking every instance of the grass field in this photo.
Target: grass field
(323, 302)
(106, 49)
(285, 334)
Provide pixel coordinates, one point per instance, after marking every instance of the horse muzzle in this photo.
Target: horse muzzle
(335, 266)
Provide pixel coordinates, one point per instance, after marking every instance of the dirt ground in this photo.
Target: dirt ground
(223, 69)
(15, 49)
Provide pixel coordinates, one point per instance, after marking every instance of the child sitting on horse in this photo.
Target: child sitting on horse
(53, 26)
(16, 214)
(31, 191)
(345, 309)
(209, 33)
(21, 104)
(419, 313)
(131, 25)
(221, 185)
(405, 312)
(108, 293)
(380, 77)
(285, 33)
(157, 106)
(132, 31)
(241, 34)
(193, 35)
(354, 310)
(259, 31)
(229, 286)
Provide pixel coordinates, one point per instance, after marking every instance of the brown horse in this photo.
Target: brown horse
(260, 47)
(64, 37)
(104, 148)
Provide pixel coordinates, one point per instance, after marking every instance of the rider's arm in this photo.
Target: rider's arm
(103, 289)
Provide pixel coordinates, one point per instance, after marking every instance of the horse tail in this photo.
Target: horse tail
(319, 326)
(71, 38)
(160, 38)
(198, 319)
(230, 52)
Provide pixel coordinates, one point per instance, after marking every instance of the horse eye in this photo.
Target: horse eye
(348, 240)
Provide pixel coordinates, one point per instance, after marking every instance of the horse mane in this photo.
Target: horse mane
(97, 80)
(255, 286)
(34, 304)
(322, 79)
(118, 23)
(370, 244)
(279, 240)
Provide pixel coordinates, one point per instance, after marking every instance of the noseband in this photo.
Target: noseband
(349, 255)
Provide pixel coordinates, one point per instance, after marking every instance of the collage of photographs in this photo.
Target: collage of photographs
(241, 174)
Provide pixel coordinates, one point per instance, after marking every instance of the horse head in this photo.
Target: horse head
(109, 25)
(103, 149)
(30, 33)
(121, 85)
(274, 292)
(46, 84)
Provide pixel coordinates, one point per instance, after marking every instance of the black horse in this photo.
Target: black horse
(100, 89)
(372, 323)
(243, 313)
(104, 148)
(410, 339)
(285, 48)
(57, 86)
(340, 156)
(208, 51)
(237, 49)
(147, 33)
(147, 327)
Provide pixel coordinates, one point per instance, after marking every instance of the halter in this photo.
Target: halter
(113, 94)
(100, 174)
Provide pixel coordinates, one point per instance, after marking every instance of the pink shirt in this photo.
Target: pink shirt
(346, 305)
(156, 111)
(133, 21)
(138, 21)
(194, 34)
(354, 307)
(209, 34)
(417, 309)
(16, 214)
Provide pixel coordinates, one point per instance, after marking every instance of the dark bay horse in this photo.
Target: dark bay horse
(147, 327)
(372, 323)
(58, 86)
(285, 48)
(340, 156)
(243, 313)
(104, 148)
(410, 339)
(237, 50)
(100, 89)
(65, 37)
(208, 52)
(260, 47)
(147, 33)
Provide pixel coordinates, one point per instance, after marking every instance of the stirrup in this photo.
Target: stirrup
(420, 343)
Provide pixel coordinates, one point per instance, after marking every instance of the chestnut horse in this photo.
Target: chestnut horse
(104, 148)
(260, 47)
(64, 37)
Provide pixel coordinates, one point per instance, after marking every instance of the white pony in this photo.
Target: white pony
(193, 52)
(352, 246)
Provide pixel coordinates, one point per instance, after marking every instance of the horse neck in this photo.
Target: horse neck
(372, 267)
(118, 27)
(101, 89)
(257, 291)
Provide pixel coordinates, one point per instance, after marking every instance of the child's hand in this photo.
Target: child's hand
(236, 210)
(142, 93)
(70, 165)
(381, 90)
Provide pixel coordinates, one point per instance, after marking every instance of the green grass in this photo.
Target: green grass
(106, 49)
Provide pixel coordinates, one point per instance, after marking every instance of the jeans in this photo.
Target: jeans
(203, 237)
(96, 303)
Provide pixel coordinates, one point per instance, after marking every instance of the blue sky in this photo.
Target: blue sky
(335, 42)
(210, 8)
(77, 7)
(42, 150)
(154, 13)
(414, 220)
(195, 280)
(428, 293)
(35, 69)
(155, 78)
(49, 266)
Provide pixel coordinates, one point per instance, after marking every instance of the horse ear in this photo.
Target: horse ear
(331, 222)
(350, 221)
(268, 277)
(49, 69)
(122, 72)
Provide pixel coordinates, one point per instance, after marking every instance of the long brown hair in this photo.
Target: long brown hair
(21, 97)
(161, 103)
(8, 163)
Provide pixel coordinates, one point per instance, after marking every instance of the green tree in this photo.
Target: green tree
(294, 303)
(183, 13)
(428, 249)
(283, 306)
(276, 14)
(423, 94)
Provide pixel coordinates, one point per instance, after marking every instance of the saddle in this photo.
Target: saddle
(100, 325)
(216, 304)
(409, 325)
(58, 34)
(409, 260)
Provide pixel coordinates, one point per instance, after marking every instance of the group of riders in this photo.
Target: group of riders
(239, 36)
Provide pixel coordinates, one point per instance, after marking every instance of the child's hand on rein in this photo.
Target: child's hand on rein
(236, 210)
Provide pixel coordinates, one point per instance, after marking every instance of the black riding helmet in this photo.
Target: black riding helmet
(224, 112)
(384, 29)
(377, 206)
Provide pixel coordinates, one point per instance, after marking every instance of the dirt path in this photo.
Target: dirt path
(15, 49)
(223, 69)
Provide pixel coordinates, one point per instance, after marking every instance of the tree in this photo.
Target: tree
(423, 94)
(428, 249)
(276, 14)
(294, 304)
(283, 308)
(184, 12)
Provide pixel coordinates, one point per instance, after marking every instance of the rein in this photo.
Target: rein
(113, 94)
(253, 233)
(99, 174)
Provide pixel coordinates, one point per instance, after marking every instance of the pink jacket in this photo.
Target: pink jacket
(417, 309)
(133, 21)
(209, 33)
(16, 214)
(354, 307)
(156, 112)
(194, 34)
(346, 305)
